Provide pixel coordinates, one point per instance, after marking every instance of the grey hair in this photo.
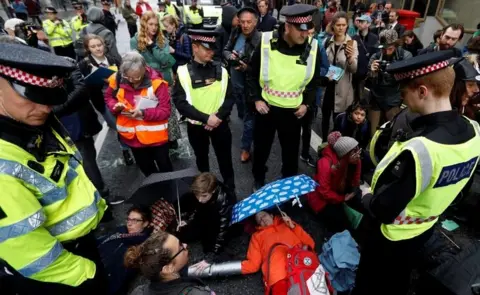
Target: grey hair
(132, 61)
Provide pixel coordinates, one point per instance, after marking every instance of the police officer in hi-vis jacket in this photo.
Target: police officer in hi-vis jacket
(418, 178)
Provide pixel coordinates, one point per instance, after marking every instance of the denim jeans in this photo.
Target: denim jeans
(238, 83)
(248, 125)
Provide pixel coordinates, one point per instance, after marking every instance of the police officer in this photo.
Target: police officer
(202, 93)
(418, 178)
(79, 21)
(194, 15)
(49, 207)
(281, 82)
(59, 34)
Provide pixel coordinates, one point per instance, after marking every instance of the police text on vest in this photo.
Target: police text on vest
(455, 173)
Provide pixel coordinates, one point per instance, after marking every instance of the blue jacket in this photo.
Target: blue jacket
(266, 23)
(183, 47)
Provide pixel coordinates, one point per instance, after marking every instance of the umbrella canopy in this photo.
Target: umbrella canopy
(169, 186)
(271, 195)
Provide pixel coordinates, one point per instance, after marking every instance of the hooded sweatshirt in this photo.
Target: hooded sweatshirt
(96, 18)
(224, 30)
(262, 242)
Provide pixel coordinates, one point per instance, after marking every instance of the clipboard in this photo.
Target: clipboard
(98, 76)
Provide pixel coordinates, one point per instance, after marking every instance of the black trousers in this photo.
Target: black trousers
(386, 266)
(287, 125)
(68, 51)
(306, 123)
(328, 107)
(85, 247)
(152, 159)
(132, 29)
(221, 139)
(86, 146)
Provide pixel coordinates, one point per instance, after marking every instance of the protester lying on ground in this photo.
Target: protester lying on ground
(161, 259)
(210, 209)
(273, 230)
(113, 247)
(338, 176)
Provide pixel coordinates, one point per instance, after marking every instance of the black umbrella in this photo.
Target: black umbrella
(169, 186)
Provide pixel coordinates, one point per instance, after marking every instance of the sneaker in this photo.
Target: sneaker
(115, 200)
(257, 185)
(245, 156)
(127, 156)
(308, 160)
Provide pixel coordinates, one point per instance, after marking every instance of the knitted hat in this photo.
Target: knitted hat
(344, 145)
(333, 137)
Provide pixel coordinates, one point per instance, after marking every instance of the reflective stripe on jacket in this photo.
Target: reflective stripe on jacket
(147, 132)
(51, 203)
(439, 179)
(280, 87)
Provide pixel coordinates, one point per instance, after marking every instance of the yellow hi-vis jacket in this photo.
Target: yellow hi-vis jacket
(44, 204)
(441, 173)
(58, 35)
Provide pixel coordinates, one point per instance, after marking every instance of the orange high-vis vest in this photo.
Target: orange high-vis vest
(147, 132)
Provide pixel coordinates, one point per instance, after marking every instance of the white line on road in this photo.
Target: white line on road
(100, 140)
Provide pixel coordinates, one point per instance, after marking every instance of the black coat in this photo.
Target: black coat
(77, 114)
(251, 43)
(109, 21)
(95, 91)
(179, 286)
(266, 23)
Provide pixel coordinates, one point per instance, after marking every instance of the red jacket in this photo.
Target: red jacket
(332, 179)
(139, 11)
(159, 113)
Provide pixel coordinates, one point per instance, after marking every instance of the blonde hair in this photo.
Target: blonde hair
(205, 182)
(142, 35)
(171, 20)
(91, 37)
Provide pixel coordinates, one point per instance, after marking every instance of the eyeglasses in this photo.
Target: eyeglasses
(134, 220)
(178, 253)
(78, 7)
(132, 79)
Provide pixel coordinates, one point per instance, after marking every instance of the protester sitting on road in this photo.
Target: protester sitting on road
(273, 230)
(338, 176)
(141, 123)
(210, 208)
(353, 123)
(160, 259)
(113, 247)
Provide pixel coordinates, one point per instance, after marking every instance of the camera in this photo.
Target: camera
(382, 65)
(236, 62)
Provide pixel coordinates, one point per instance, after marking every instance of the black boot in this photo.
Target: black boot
(127, 156)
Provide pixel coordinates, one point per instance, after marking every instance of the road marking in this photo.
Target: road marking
(100, 140)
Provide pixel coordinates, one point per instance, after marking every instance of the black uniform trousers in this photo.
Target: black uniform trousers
(16, 284)
(306, 123)
(386, 266)
(221, 138)
(288, 126)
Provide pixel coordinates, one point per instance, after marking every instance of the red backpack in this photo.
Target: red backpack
(305, 274)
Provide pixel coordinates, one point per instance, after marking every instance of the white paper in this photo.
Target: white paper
(144, 103)
(317, 284)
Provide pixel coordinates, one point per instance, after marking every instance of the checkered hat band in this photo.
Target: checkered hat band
(282, 94)
(299, 19)
(30, 79)
(202, 38)
(422, 71)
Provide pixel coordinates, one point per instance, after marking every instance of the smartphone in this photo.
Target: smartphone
(350, 43)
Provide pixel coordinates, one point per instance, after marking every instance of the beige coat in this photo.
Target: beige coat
(344, 88)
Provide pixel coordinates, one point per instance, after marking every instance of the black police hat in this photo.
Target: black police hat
(421, 65)
(35, 74)
(299, 15)
(50, 9)
(465, 71)
(106, 2)
(204, 37)
(77, 5)
(246, 9)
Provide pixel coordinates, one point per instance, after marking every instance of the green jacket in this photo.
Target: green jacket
(157, 58)
(128, 14)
